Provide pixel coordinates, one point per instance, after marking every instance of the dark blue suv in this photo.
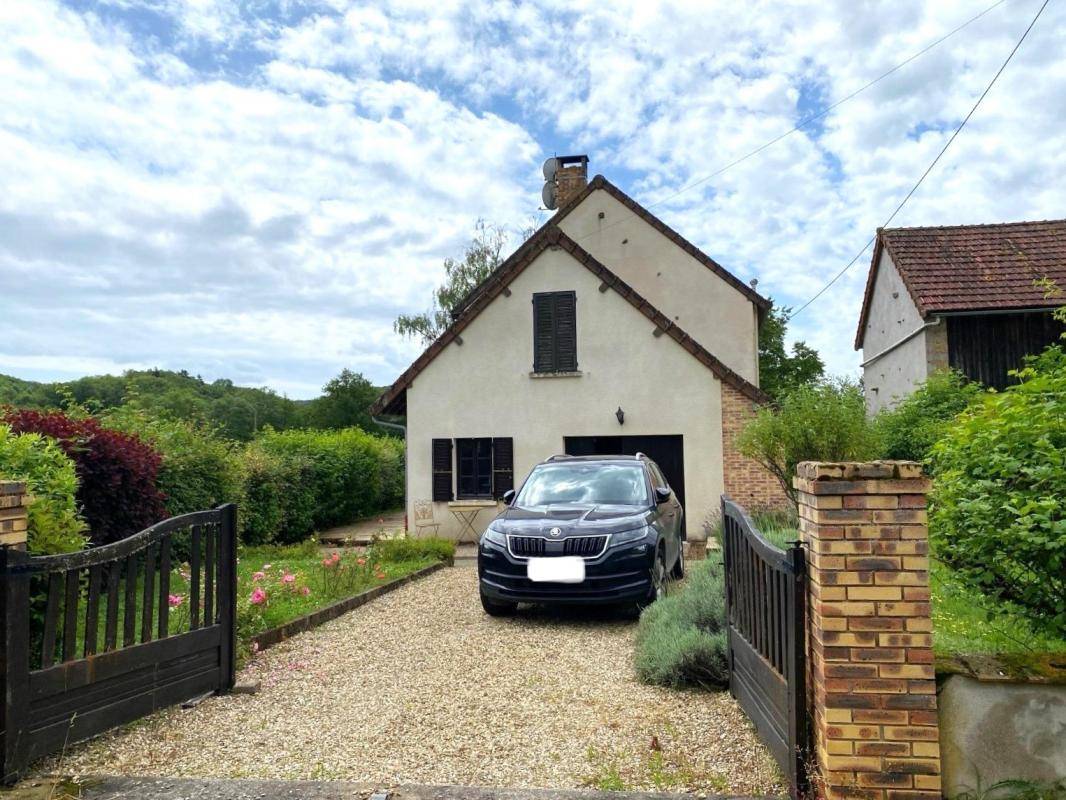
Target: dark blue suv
(583, 529)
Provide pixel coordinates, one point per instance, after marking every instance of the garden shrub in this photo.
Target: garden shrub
(279, 497)
(54, 524)
(681, 639)
(345, 471)
(117, 472)
(823, 422)
(199, 469)
(407, 549)
(997, 513)
(910, 430)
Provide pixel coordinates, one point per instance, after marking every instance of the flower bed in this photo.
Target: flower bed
(279, 584)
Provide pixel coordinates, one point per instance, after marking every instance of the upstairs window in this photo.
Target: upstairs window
(555, 332)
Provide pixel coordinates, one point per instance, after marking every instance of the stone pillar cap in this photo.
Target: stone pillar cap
(858, 470)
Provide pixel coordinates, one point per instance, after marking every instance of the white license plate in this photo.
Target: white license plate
(563, 569)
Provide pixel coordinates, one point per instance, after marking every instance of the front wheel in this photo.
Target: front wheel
(497, 608)
(658, 581)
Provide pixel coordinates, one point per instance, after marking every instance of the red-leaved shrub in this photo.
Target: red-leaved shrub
(116, 472)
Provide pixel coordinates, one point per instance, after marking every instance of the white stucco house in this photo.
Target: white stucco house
(605, 332)
(973, 298)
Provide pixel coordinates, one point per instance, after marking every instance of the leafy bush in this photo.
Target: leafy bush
(681, 639)
(54, 524)
(823, 422)
(910, 430)
(279, 497)
(199, 469)
(407, 549)
(997, 511)
(117, 472)
(345, 468)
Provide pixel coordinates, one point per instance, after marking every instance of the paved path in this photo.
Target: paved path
(364, 530)
(420, 686)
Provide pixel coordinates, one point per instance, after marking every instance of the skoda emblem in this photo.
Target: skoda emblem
(555, 533)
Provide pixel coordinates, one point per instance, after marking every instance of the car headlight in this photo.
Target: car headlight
(494, 536)
(634, 535)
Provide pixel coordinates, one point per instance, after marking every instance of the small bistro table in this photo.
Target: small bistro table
(465, 512)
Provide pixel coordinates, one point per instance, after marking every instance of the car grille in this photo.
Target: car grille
(584, 545)
(525, 546)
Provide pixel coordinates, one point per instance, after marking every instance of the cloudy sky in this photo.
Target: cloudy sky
(255, 190)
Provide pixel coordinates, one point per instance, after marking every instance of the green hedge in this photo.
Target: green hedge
(350, 474)
(54, 523)
(997, 513)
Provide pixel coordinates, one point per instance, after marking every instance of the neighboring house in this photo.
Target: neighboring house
(605, 332)
(968, 297)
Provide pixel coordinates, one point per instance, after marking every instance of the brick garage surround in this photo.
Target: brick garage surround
(746, 482)
(871, 683)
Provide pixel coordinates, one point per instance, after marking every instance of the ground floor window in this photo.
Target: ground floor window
(474, 468)
(483, 468)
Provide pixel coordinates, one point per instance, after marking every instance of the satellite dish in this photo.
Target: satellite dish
(547, 194)
(551, 166)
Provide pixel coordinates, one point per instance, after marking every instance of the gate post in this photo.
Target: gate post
(14, 638)
(227, 597)
(872, 690)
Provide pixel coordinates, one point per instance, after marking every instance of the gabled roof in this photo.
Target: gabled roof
(600, 182)
(973, 267)
(393, 399)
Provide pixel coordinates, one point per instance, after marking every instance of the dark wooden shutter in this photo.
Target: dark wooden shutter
(543, 333)
(442, 470)
(502, 466)
(555, 332)
(565, 332)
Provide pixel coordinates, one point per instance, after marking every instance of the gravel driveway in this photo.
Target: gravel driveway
(420, 686)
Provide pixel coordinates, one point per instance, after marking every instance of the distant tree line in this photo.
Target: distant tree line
(237, 412)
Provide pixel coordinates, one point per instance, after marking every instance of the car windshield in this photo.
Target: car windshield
(586, 484)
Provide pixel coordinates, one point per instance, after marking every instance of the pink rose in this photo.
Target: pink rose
(288, 577)
(258, 576)
(175, 600)
(305, 591)
(258, 596)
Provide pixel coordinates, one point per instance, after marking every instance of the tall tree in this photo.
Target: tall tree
(482, 256)
(345, 401)
(781, 372)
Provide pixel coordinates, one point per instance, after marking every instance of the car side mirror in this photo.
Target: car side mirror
(662, 494)
(508, 497)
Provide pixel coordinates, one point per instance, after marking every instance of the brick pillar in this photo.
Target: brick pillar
(13, 510)
(871, 685)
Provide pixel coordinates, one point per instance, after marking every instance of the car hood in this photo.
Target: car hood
(572, 520)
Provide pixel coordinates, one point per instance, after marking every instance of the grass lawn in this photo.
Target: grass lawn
(279, 584)
(965, 621)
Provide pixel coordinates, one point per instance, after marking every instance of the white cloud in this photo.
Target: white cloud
(263, 191)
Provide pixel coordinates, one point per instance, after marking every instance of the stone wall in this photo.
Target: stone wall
(871, 683)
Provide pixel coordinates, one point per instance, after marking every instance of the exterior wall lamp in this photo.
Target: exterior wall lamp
(620, 415)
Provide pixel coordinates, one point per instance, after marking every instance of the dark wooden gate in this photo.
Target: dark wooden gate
(90, 639)
(766, 597)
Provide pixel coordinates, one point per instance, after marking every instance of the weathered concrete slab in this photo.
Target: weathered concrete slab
(1000, 731)
(115, 788)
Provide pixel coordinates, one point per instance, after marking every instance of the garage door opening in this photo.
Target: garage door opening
(666, 451)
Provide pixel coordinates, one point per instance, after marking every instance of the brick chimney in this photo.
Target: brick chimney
(570, 178)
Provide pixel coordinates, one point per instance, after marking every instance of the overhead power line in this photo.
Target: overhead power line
(928, 169)
(803, 123)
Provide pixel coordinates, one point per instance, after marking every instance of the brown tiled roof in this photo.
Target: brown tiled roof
(973, 267)
(393, 399)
